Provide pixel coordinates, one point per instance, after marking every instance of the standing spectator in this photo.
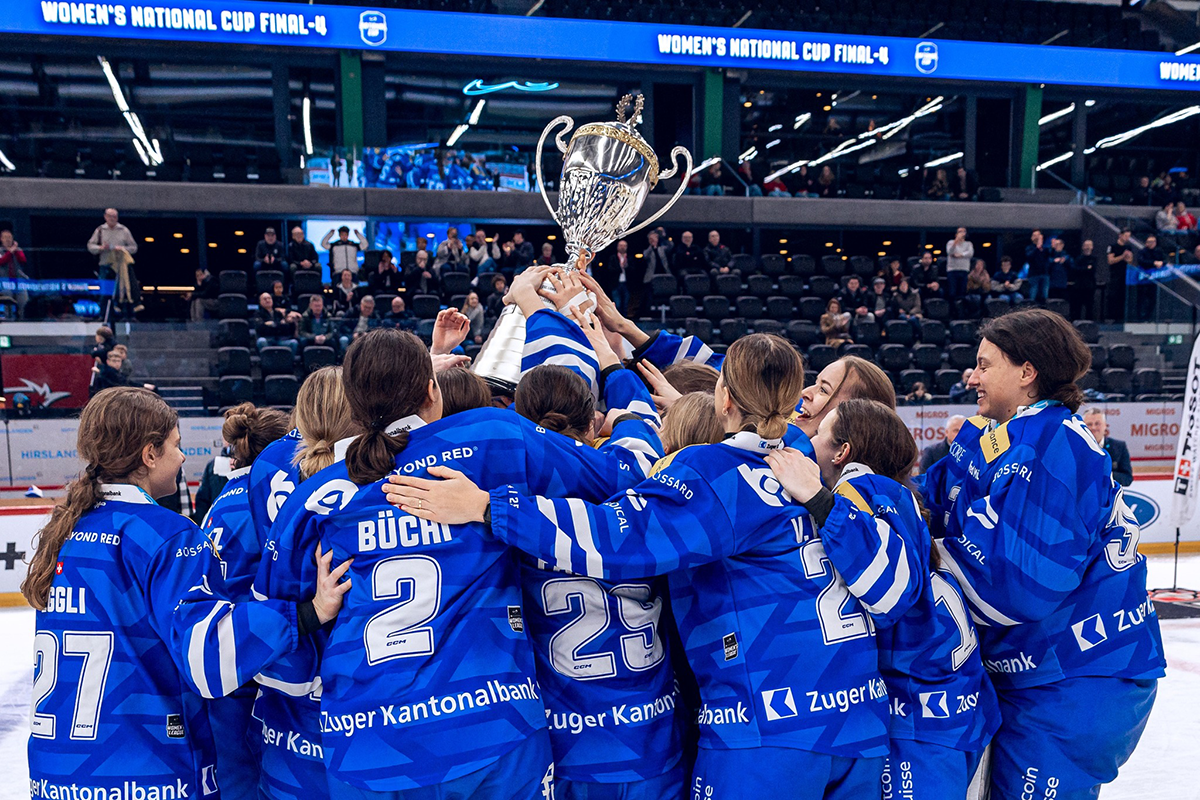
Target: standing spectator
(654, 259)
(204, 296)
(979, 286)
(108, 374)
(1141, 192)
(399, 317)
(115, 246)
(1006, 283)
(1149, 259)
(317, 327)
(451, 256)
(712, 180)
(689, 257)
(345, 295)
(301, 253)
(924, 277)
(126, 361)
(1081, 292)
(1118, 451)
(854, 298)
(104, 342)
(879, 300)
(961, 391)
(614, 277)
(1120, 257)
(521, 255)
(343, 253)
(12, 262)
(359, 324)
(718, 257)
(1061, 265)
(826, 183)
(1165, 222)
(272, 326)
(386, 278)
(270, 252)
(1037, 261)
(959, 255)
(420, 278)
(906, 305)
(935, 453)
(473, 310)
(546, 259)
(1185, 222)
(939, 186)
(965, 184)
(835, 324)
(484, 256)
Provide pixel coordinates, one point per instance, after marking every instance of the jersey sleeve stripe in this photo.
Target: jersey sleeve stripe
(899, 584)
(196, 651)
(879, 562)
(645, 411)
(227, 653)
(313, 687)
(562, 542)
(583, 535)
(990, 614)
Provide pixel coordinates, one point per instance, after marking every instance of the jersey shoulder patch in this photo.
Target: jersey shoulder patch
(854, 496)
(995, 443)
(665, 461)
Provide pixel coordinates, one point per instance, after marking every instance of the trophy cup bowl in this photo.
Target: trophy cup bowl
(608, 171)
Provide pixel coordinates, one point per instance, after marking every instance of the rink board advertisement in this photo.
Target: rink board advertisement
(237, 22)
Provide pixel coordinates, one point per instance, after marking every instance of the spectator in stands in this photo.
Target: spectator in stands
(1163, 191)
(279, 297)
(270, 252)
(906, 305)
(1037, 261)
(826, 183)
(420, 278)
(960, 391)
(272, 325)
(108, 374)
(386, 279)
(879, 300)
(1061, 265)
(835, 324)
(1006, 282)
(895, 273)
(473, 310)
(776, 188)
(1149, 259)
(965, 184)
(546, 259)
(746, 172)
(409, 257)
(924, 277)
(655, 260)
(484, 256)
(399, 317)
(1141, 192)
(1185, 225)
(451, 256)
(614, 277)
(12, 261)
(115, 246)
(959, 255)
(712, 180)
(126, 361)
(918, 394)
(939, 186)
(1118, 451)
(345, 295)
(204, 296)
(495, 297)
(316, 327)
(801, 183)
(935, 453)
(1165, 222)
(979, 286)
(522, 254)
(343, 253)
(854, 298)
(688, 256)
(359, 324)
(301, 253)
(1081, 290)
(1120, 257)
(1194, 258)
(718, 257)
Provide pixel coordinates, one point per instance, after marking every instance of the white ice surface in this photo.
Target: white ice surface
(1158, 770)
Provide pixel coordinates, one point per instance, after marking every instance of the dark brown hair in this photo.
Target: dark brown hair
(692, 419)
(115, 427)
(688, 376)
(386, 376)
(557, 399)
(764, 376)
(1048, 342)
(249, 429)
(462, 390)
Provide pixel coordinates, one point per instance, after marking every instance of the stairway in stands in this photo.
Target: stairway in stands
(178, 359)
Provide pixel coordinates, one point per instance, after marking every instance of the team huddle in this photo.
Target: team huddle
(653, 572)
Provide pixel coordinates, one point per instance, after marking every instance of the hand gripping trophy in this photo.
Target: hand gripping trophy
(608, 170)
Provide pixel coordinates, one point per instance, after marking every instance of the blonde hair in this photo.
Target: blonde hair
(764, 376)
(322, 416)
(692, 419)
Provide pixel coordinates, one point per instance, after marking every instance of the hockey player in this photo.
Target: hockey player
(944, 708)
(133, 628)
(846, 378)
(785, 657)
(234, 541)
(1045, 550)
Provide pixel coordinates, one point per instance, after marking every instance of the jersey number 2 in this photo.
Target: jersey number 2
(96, 651)
(835, 626)
(401, 631)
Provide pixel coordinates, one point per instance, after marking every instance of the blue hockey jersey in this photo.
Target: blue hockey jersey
(1045, 550)
(928, 647)
(784, 655)
(272, 479)
(235, 541)
(552, 338)
(137, 631)
(428, 674)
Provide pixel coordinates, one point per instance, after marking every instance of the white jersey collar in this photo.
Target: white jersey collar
(853, 470)
(237, 473)
(125, 493)
(409, 423)
(751, 441)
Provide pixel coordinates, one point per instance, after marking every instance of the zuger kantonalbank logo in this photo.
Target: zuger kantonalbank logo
(372, 27)
(927, 57)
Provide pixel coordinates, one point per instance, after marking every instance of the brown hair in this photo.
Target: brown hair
(322, 416)
(692, 419)
(764, 376)
(386, 376)
(115, 427)
(1048, 342)
(462, 390)
(557, 399)
(105, 333)
(869, 382)
(688, 376)
(249, 429)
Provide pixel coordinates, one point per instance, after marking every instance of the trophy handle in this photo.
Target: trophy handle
(683, 184)
(562, 148)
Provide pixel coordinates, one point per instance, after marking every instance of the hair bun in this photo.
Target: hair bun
(554, 421)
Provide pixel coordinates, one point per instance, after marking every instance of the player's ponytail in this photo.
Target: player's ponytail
(115, 427)
(1048, 342)
(387, 375)
(764, 376)
(322, 416)
(248, 429)
(557, 399)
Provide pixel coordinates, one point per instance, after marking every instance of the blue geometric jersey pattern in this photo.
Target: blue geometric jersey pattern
(272, 480)
(928, 648)
(428, 674)
(137, 632)
(1045, 550)
(230, 528)
(784, 655)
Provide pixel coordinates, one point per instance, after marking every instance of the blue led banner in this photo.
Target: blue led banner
(344, 27)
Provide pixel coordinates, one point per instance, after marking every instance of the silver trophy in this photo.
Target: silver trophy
(608, 170)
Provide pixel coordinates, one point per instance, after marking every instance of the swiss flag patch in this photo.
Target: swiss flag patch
(58, 569)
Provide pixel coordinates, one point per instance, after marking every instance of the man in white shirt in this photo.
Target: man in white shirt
(959, 255)
(343, 253)
(483, 255)
(115, 246)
